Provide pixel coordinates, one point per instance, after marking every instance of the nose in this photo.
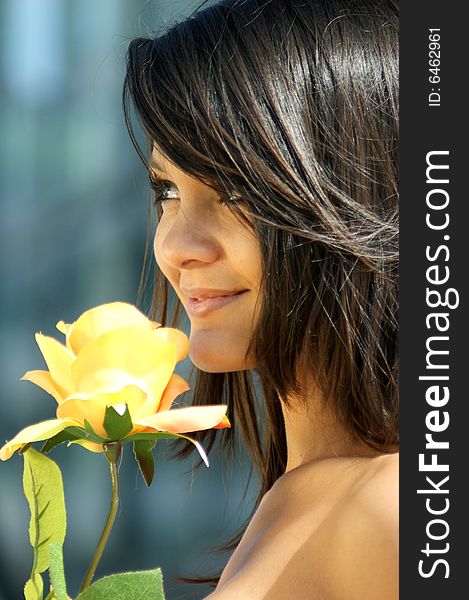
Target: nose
(183, 243)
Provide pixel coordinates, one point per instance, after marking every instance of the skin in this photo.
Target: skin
(326, 530)
(199, 243)
(314, 534)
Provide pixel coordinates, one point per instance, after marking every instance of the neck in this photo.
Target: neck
(314, 433)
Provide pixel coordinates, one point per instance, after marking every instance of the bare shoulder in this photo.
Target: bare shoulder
(325, 532)
(364, 536)
(375, 491)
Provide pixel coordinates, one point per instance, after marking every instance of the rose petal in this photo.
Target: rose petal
(44, 380)
(59, 361)
(92, 407)
(134, 350)
(223, 424)
(63, 327)
(82, 406)
(91, 446)
(112, 380)
(106, 317)
(176, 386)
(176, 337)
(182, 420)
(35, 433)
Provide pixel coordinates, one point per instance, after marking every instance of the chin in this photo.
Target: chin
(217, 356)
(215, 364)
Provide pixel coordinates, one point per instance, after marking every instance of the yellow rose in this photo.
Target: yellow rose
(114, 356)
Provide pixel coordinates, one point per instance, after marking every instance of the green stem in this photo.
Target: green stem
(112, 452)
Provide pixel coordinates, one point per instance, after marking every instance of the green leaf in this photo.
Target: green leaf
(56, 571)
(117, 426)
(43, 488)
(140, 585)
(78, 432)
(91, 434)
(33, 588)
(143, 451)
(67, 435)
(158, 435)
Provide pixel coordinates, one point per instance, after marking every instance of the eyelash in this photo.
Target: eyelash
(159, 186)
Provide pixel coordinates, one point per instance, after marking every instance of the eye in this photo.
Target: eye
(164, 190)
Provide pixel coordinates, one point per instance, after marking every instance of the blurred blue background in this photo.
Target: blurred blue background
(74, 203)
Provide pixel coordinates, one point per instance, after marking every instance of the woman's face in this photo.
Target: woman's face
(213, 262)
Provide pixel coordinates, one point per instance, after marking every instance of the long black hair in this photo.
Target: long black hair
(292, 108)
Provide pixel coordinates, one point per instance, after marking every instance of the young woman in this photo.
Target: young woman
(273, 130)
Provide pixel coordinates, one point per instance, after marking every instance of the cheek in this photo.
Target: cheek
(247, 255)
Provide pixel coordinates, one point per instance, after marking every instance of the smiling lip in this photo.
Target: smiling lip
(201, 302)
